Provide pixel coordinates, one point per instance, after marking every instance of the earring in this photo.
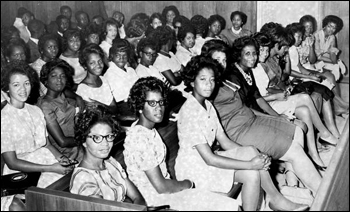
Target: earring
(140, 111)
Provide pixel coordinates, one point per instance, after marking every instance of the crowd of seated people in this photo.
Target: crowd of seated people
(66, 88)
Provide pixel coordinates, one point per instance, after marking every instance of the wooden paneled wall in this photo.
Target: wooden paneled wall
(49, 10)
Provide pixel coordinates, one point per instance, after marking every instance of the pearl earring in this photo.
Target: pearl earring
(140, 111)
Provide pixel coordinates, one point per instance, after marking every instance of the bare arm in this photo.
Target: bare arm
(166, 186)
(15, 163)
(56, 132)
(133, 193)
(218, 161)
(172, 79)
(80, 102)
(266, 107)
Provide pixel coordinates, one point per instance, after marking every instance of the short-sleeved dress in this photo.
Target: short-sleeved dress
(230, 35)
(120, 81)
(270, 135)
(184, 55)
(102, 94)
(108, 183)
(24, 131)
(143, 71)
(197, 125)
(61, 110)
(79, 72)
(145, 150)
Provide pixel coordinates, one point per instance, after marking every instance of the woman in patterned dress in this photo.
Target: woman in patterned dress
(99, 175)
(145, 155)
(24, 142)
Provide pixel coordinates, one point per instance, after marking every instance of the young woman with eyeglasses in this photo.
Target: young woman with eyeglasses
(99, 175)
(145, 155)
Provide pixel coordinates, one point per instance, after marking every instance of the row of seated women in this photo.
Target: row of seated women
(198, 128)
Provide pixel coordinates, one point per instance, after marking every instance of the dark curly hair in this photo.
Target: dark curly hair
(182, 20)
(168, 8)
(119, 45)
(200, 24)
(108, 22)
(162, 35)
(293, 28)
(214, 45)
(44, 38)
(262, 39)
(198, 63)
(333, 19)
(277, 34)
(21, 67)
(156, 16)
(71, 33)
(240, 43)
(78, 13)
(136, 27)
(92, 28)
(183, 30)
(309, 18)
(15, 43)
(88, 119)
(214, 18)
(7, 34)
(57, 63)
(138, 92)
(241, 14)
(147, 42)
(87, 50)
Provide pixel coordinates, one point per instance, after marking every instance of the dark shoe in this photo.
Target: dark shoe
(302, 207)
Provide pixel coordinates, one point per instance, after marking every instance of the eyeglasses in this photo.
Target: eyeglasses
(99, 138)
(149, 54)
(154, 103)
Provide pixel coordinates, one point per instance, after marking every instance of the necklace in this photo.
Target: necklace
(247, 76)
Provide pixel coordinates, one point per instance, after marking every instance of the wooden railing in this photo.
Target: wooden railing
(333, 194)
(40, 199)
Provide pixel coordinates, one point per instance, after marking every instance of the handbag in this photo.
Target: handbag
(17, 183)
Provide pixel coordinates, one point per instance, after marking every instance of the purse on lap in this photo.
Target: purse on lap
(17, 183)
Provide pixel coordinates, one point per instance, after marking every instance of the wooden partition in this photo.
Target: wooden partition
(333, 194)
(39, 199)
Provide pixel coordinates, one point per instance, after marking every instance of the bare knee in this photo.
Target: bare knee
(248, 176)
(303, 112)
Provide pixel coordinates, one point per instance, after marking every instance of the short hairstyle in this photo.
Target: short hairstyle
(156, 16)
(51, 65)
(138, 92)
(240, 43)
(277, 34)
(162, 35)
(219, 18)
(7, 32)
(63, 7)
(120, 45)
(60, 18)
(262, 39)
(120, 13)
(92, 28)
(98, 16)
(168, 8)
(200, 24)
(18, 67)
(90, 118)
(136, 27)
(293, 28)
(147, 42)
(198, 63)
(78, 13)
(21, 11)
(214, 45)
(44, 38)
(241, 14)
(87, 50)
(35, 26)
(181, 19)
(13, 43)
(70, 33)
(309, 18)
(109, 22)
(333, 19)
(183, 30)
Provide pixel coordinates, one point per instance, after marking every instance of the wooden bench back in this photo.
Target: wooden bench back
(39, 199)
